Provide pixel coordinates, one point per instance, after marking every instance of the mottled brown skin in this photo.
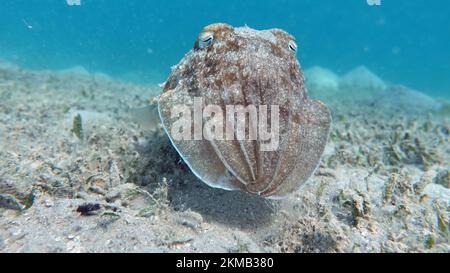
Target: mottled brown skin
(243, 66)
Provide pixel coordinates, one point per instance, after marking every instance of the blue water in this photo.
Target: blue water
(403, 41)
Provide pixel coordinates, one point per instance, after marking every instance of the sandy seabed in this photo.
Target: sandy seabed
(114, 186)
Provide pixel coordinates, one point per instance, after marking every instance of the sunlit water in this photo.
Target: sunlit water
(403, 41)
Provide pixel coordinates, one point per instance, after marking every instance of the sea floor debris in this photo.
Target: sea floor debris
(382, 185)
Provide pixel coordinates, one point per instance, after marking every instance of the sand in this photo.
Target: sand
(114, 186)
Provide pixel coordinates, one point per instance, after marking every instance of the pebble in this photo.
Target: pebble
(48, 203)
(8, 201)
(190, 219)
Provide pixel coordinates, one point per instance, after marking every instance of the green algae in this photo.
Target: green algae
(77, 127)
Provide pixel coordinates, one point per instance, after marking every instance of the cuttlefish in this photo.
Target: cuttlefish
(240, 67)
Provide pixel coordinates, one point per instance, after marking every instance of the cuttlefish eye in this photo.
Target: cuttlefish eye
(205, 39)
(293, 46)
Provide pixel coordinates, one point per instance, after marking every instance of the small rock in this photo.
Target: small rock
(443, 179)
(48, 203)
(190, 219)
(88, 209)
(8, 201)
(120, 191)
